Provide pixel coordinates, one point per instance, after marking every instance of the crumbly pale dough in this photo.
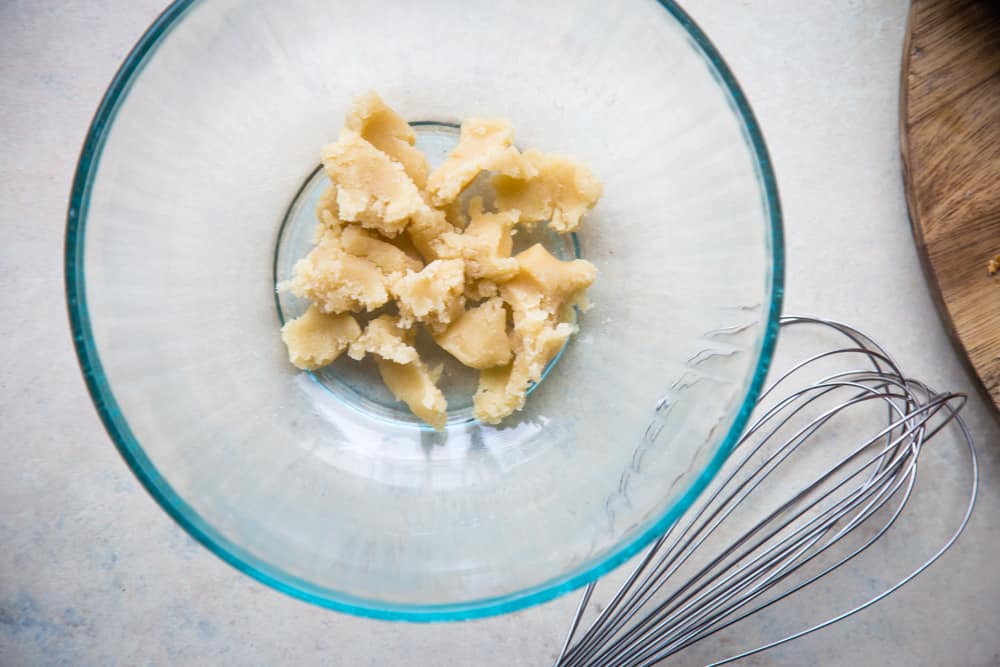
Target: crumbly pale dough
(416, 385)
(372, 188)
(337, 281)
(539, 297)
(484, 145)
(557, 189)
(392, 235)
(435, 295)
(316, 338)
(478, 338)
(384, 129)
(485, 244)
(384, 338)
(383, 254)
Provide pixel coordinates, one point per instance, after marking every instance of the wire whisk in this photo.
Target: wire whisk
(710, 571)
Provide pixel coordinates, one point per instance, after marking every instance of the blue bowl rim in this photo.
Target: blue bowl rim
(154, 483)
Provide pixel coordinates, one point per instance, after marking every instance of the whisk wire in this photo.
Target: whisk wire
(730, 504)
(902, 582)
(742, 576)
(636, 629)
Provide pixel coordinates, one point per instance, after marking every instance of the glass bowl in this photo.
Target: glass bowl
(187, 206)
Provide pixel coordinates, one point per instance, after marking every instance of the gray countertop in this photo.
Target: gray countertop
(92, 572)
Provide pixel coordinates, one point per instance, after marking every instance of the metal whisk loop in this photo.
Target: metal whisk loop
(868, 486)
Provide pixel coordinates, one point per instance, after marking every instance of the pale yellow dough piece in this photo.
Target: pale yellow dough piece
(384, 337)
(561, 191)
(406, 376)
(326, 208)
(539, 297)
(546, 284)
(315, 339)
(329, 223)
(483, 145)
(492, 402)
(435, 295)
(502, 391)
(485, 244)
(387, 131)
(414, 384)
(477, 290)
(372, 188)
(478, 338)
(336, 281)
(426, 228)
(537, 342)
(387, 256)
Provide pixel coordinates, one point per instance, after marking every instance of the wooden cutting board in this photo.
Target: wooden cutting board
(950, 143)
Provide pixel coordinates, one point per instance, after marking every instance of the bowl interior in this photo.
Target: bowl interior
(196, 158)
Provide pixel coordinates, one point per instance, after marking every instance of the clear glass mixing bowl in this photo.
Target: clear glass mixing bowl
(187, 206)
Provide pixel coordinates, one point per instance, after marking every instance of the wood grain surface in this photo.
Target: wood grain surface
(950, 144)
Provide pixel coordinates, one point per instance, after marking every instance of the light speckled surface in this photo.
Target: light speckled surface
(93, 573)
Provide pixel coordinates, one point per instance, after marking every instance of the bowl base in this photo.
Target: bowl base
(358, 383)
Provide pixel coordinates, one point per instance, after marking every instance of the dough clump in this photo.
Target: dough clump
(397, 248)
